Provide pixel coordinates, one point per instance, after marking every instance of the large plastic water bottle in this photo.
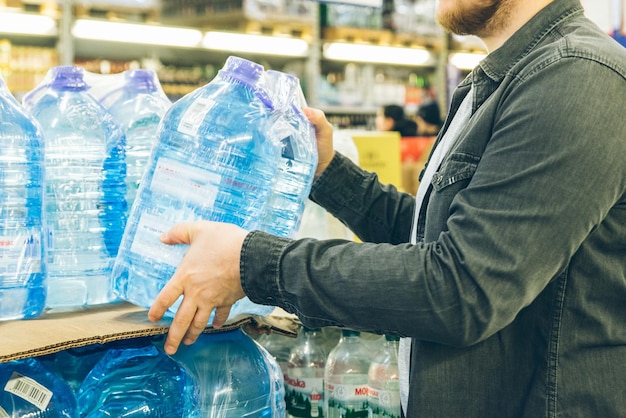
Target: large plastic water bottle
(237, 377)
(85, 171)
(137, 106)
(136, 382)
(214, 159)
(305, 376)
(22, 271)
(298, 161)
(28, 389)
(345, 377)
(383, 393)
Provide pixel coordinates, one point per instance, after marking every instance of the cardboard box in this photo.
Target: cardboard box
(414, 153)
(54, 332)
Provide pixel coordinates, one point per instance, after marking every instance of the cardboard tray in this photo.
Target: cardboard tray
(53, 332)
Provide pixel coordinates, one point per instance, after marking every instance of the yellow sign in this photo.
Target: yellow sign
(379, 152)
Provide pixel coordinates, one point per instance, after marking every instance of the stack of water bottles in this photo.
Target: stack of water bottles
(237, 150)
(225, 375)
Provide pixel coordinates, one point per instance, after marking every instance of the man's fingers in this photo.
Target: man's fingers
(166, 298)
(221, 315)
(200, 322)
(177, 234)
(182, 320)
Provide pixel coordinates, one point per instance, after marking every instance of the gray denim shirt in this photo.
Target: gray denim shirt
(516, 295)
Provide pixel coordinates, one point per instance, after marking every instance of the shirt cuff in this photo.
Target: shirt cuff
(259, 267)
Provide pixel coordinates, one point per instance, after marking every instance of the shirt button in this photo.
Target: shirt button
(437, 178)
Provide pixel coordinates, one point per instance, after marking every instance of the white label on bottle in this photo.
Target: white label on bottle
(20, 253)
(304, 395)
(29, 390)
(3, 413)
(345, 397)
(185, 183)
(383, 403)
(147, 243)
(193, 117)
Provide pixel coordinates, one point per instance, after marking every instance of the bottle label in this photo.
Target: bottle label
(21, 253)
(347, 400)
(29, 390)
(383, 403)
(147, 244)
(3, 413)
(304, 395)
(193, 117)
(185, 183)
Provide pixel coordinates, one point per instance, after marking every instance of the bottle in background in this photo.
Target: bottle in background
(137, 106)
(345, 377)
(28, 389)
(22, 274)
(213, 159)
(304, 379)
(383, 387)
(279, 346)
(136, 382)
(298, 160)
(85, 171)
(237, 377)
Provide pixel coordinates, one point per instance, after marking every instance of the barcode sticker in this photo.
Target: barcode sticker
(29, 390)
(3, 413)
(194, 116)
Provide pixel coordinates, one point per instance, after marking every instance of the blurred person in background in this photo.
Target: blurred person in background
(393, 118)
(428, 118)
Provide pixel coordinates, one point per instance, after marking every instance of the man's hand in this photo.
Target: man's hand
(323, 136)
(207, 277)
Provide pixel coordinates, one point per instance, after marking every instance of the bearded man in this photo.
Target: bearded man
(506, 274)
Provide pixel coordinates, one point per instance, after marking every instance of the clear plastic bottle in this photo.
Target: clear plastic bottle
(298, 161)
(237, 377)
(28, 389)
(305, 376)
(345, 377)
(74, 364)
(213, 159)
(85, 171)
(138, 107)
(22, 270)
(279, 346)
(383, 386)
(134, 382)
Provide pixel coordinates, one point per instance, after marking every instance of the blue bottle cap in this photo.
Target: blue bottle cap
(141, 80)
(67, 77)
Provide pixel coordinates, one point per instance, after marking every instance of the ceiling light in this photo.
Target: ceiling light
(376, 54)
(27, 24)
(256, 44)
(136, 33)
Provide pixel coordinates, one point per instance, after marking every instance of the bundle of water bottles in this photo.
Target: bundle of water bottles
(223, 375)
(91, 176)
(354, 375)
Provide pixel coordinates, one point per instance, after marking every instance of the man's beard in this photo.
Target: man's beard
(480, 20)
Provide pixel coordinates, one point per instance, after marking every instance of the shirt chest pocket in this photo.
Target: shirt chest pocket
(455, 173)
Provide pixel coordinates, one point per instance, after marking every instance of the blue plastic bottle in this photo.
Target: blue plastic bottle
(214, 159)
(136, 382)
(28, 389)
(137, 106)
(298, 159)
(85, 170)
(22, 271)
(237, 377)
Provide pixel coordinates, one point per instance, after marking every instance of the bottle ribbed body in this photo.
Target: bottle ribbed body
(85, 205)
(22, 271)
